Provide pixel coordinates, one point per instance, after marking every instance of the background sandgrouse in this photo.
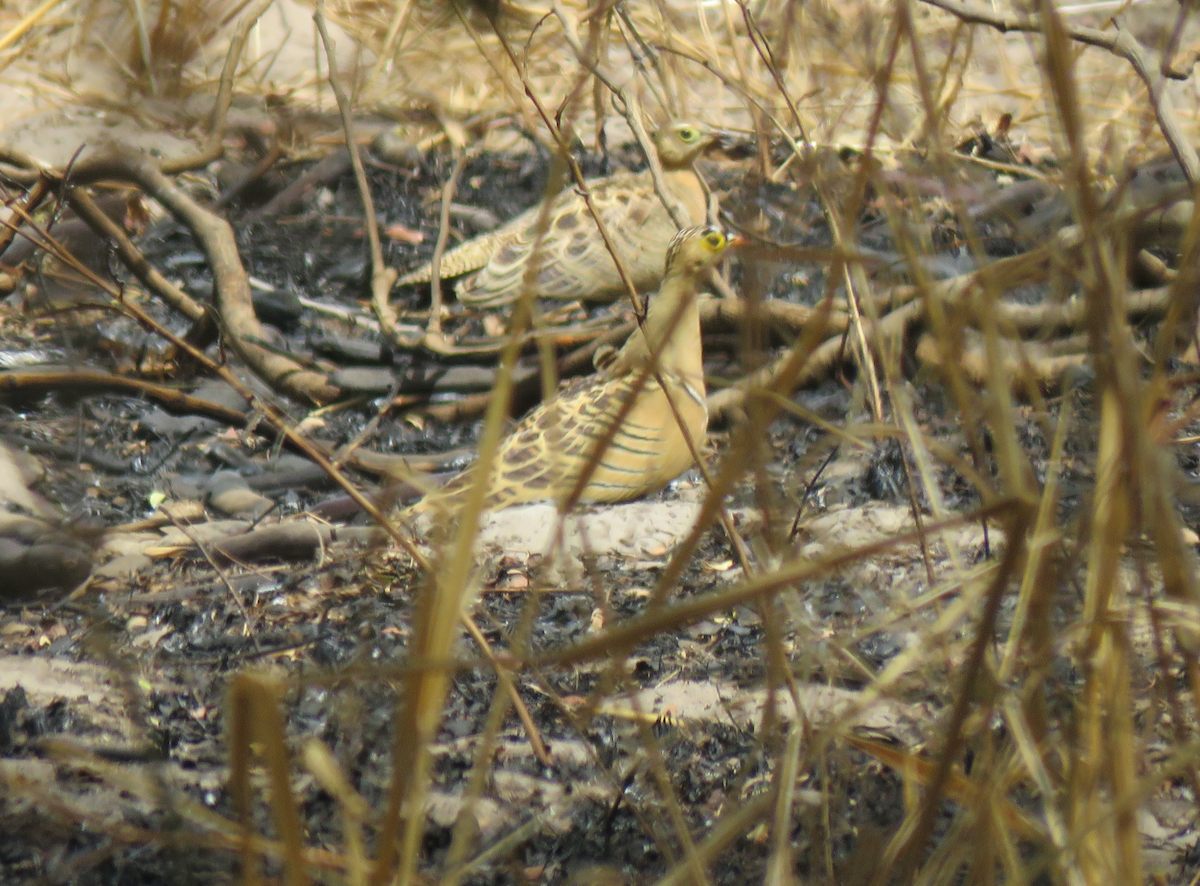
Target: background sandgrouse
(573, 260)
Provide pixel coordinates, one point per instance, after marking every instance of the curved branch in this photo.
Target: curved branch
(232, 287)
(1121, 44)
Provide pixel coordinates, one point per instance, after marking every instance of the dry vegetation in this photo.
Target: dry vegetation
(995, 679)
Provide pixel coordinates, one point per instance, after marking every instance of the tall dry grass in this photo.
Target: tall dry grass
(1060, 671)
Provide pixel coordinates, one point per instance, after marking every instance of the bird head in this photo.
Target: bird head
(680, 141)
(695, 250)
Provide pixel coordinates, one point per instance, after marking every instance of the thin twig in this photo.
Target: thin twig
(382, 276)
(98, 220)
(434, 327)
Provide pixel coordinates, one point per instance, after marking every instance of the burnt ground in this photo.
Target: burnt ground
(115, 743)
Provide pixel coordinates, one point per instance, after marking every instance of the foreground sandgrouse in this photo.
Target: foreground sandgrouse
(573, 260)
(545, 455)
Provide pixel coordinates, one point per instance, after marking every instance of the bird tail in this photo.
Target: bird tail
(462, 259)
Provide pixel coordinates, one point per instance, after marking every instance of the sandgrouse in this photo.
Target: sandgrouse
(573, 262)
(660, 367)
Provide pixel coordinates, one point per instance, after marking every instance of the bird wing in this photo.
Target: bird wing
(574, 262)
(544, 456)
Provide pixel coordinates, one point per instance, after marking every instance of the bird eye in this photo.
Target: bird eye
(714, 241)
(687, 133)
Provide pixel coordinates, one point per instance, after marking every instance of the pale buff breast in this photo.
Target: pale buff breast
(649, 449)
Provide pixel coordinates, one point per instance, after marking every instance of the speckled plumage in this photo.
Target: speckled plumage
(545, 455)
(573, 261)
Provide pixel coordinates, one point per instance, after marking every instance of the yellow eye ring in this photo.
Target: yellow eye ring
(687, 134)
(714, 241)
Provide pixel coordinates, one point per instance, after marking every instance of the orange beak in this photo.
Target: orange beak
(737, 240)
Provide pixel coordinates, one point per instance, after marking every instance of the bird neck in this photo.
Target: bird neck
(685, 184)
(672, 328)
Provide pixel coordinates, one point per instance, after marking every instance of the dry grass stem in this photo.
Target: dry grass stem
(935, 614)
